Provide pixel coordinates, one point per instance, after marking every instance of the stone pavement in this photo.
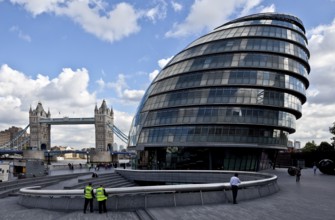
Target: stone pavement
(311, 198)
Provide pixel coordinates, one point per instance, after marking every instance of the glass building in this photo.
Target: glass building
(228, 101)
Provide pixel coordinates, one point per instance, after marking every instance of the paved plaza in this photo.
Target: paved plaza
(311, 198)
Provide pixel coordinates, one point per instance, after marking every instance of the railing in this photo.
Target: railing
(152, 196)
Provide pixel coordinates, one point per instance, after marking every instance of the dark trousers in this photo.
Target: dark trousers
(102, 206)
(234, 190)
(297, 179)
(88, 201)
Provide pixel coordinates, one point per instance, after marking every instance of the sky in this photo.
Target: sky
(72, 54)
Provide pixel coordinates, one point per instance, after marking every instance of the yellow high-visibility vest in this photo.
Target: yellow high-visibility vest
(100, 194)
(88, 192)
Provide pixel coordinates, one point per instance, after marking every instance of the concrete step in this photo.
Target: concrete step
(143, 214)
(110, 180)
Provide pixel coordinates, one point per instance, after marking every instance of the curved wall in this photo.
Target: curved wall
(240, 86)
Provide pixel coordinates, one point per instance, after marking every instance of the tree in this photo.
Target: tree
(332, 131)
(309, 147)
(325, 147)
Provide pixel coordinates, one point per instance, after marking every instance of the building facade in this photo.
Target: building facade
(229, 100)
(14, 137)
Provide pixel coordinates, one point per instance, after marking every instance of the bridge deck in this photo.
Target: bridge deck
(68, 121)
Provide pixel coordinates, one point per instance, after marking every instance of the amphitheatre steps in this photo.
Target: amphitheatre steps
(108, 180)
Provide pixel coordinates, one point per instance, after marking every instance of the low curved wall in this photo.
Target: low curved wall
(132, 198)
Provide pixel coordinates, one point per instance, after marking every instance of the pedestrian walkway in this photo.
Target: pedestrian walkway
(311, 198)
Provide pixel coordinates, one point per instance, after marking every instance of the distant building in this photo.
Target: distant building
(229, 100)
(115, 147)
(10, 136)
(297, 145)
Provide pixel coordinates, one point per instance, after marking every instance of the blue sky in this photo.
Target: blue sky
(72, 54)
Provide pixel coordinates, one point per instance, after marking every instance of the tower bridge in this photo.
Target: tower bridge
(40, 123)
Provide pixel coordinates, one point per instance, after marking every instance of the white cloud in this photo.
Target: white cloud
(271, 8)
(20, 33)
(101, 83)
(248, 6)
(64, 95)
(122, 90)
(91, 15)
(153, 75)
(37, 7)
(158, 12)
(163, 62)
(123, 121)
(69, 85)
(208, 14)
(322, 49)
(68, 89)
(133, 95)
(119, 85)
(176, 6)
(318, 113)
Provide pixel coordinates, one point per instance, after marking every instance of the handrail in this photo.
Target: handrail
(36, 190)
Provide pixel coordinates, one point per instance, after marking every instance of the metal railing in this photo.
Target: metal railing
(139, 197)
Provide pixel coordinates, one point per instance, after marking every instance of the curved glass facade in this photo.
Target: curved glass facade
(229, 100)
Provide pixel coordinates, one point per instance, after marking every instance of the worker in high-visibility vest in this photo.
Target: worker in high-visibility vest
(89, 196)
(101, 196)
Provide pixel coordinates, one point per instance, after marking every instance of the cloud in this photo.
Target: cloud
(101, 83)
(322, 49)
(123, 92)
(163, 62)
(248, 6)
(318, 112)
(158, 12)
(133, 95)
(123, 121)
(271, 8)
(92, 16)
(65, 95)
(37, 7)
(20, 33)
(153, 75)
(176, 6)
(119, 85)
(68, 89)
(208, 14)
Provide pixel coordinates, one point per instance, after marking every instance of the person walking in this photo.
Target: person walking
(314, 168)
(101, 198)
(89, 196)
(234, 182)
(298, 174)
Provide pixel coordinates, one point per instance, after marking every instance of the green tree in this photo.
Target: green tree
(325, 147)
(332, 131)
(310, 147)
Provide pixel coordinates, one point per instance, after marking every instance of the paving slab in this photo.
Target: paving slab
(311, 198)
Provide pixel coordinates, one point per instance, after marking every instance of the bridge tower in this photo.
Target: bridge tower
(104, 121)
(39, 132)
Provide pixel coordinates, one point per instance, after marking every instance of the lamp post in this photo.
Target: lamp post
(48, 157)
(87, 157)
